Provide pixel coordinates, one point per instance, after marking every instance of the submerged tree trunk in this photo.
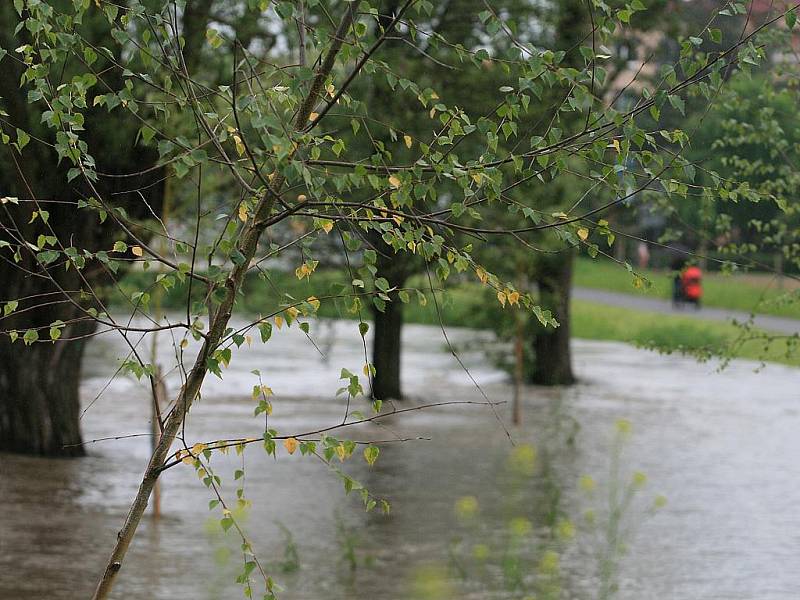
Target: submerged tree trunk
(387, 343)
(386, 350)
(552, 359)
(550, 347)
(39, 401)
(40, 407)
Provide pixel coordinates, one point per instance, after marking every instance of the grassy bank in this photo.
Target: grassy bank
(600, 322)
(747, 292)
(472, 305)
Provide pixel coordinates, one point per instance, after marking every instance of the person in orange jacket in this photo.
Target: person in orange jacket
(691, 285)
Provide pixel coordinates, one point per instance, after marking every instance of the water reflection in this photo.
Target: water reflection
(721, 447)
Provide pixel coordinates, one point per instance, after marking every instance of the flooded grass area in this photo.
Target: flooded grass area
(472, 515)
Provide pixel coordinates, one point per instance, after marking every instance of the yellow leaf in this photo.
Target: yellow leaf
(341, 452)
(302, 271)
(482, 275)
(243, 212)
(198, 449)
(587, 483)
(615, 143)
(313, 301)
(184, 343)
(293, 311)
(137, 250)
(371, 454)
(583, 233)
(239, 145)
(394, 181)
(477, 178)
(249, 340)
(313, 116)
(501, 297)
(278, 321)
(290, 444)
(366, 369)
(433, 113)
(407, 139)
(331, 90)
(326, 226)
(513, 298)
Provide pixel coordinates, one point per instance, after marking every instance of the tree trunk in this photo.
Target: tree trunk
(552, 359)
(386, 344)
(39, 401)
(386, 350)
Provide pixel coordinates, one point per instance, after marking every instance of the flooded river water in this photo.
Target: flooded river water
(472, 517)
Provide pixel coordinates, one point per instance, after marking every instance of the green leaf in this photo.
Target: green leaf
(214, 38)
(237, 257)
(10, 307)
(22, 139)
(30, 336)
(678, 104)
(147, 133)
(265, 329)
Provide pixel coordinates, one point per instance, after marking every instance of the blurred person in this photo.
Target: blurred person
(691, 285)
(643, 255)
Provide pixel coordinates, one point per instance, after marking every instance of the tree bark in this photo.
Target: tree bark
(550, 348)
(36, 380)
(386, 351)
(39, 384)
(388, 326)
(39, 401)
(551, 355)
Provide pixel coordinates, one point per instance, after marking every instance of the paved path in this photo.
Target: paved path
(659, 305)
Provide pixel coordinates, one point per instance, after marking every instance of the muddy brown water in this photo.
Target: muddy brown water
(722, 447)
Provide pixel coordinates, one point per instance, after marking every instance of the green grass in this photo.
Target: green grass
(472, 305)
(595, 321)
(746, 292)
(465, 305)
